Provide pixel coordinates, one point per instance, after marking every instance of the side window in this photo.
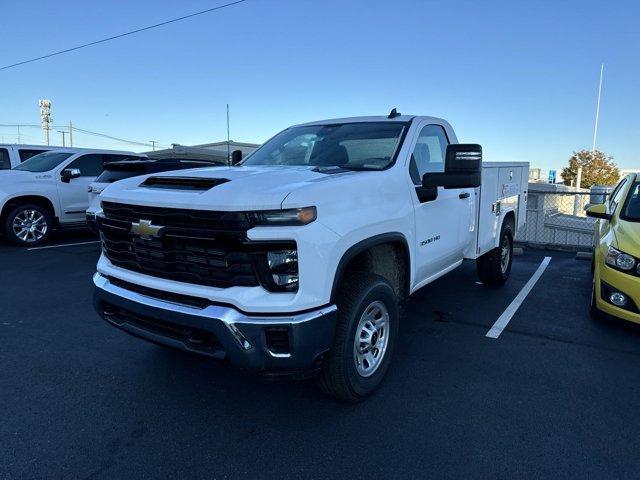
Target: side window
(429, 153)
(616, 196)
(90, 165)
(27, 154)
(5, 161)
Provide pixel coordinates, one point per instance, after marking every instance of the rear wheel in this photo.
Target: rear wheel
(365, 337)
(27, 225)
(494, 266)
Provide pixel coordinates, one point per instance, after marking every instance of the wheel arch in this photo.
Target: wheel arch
(510, 217)
(395, 240)
(39, 200)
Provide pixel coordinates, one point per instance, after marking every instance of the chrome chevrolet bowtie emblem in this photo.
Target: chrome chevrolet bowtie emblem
(145, 230)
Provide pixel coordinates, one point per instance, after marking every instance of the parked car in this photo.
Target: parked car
(616, 257)
(49, 191)
(12, 155)
(300, 258)
(115, 171)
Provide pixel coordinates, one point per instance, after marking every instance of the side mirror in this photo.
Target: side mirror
(70, 173)
(236, 157)
(462, 168)
(598, 211)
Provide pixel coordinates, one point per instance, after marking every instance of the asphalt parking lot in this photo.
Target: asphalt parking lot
(554, 396)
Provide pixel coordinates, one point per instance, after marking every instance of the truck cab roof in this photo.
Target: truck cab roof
(378, 118)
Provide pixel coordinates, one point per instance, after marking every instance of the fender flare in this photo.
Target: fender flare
(366, 244)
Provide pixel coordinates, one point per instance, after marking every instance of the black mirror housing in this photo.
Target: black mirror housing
(236, 157)
(462, 168)
(452, 180)
(463, 157)
(70, 173)
(601, 216)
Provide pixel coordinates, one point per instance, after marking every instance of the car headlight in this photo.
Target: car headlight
(290, 216)
(620, 260)
(277, 268)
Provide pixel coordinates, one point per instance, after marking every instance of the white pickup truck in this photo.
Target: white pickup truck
(299, 257)
(49, 190)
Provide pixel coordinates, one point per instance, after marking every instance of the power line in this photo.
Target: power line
(110, 137)
(173, 20)
(86, 132)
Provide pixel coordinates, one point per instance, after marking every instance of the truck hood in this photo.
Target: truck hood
(247, 188)
(11, 178)
(628, 237)
(12, 175)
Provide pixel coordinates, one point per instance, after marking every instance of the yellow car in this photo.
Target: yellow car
(616, 253)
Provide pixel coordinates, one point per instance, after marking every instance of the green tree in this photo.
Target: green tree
(597, 169)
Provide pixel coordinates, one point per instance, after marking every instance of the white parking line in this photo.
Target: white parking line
(506, 316)
(63, 245)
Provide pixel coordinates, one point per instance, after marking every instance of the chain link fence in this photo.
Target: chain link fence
(559, 220)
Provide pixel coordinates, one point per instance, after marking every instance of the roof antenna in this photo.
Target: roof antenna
(394, 113)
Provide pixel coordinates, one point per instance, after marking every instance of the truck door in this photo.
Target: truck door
(74, 200)
(442, 225)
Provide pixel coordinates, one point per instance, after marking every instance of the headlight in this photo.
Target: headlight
(278, 268)
(291, 216)
(283, 266)
(620, 260)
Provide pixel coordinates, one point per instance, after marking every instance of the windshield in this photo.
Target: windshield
(43, 162)
(631, 209)
(354, 146)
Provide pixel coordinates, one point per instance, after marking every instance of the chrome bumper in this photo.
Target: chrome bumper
(243, 338)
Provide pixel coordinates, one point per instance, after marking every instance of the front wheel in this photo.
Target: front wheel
(365, 337)
(27, 225)
(494, 266)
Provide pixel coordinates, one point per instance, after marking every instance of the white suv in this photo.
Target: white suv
(49, 190)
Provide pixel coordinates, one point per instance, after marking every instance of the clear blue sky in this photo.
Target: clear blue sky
(518, 77)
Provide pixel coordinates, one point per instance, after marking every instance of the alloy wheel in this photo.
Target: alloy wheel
(29, 226)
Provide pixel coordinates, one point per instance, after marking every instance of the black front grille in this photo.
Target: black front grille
(193, 338)
(237, 222)
(201, 247)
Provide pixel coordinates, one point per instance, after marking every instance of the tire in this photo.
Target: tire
(36, 232)
(490, 266)
(349, 376)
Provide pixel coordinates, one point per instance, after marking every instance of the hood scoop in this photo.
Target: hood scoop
(183, 183)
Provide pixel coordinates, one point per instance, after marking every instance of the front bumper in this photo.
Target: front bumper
(622, 282)
(282, 343)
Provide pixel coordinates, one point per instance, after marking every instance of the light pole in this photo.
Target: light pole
(153, 145)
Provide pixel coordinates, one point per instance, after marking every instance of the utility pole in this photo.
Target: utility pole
(228, 141)
(153, 145)
(18, 133)
(70, 134)
(595, 127)
(62, 132)
(595, 135)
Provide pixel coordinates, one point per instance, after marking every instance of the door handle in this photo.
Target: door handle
(463, 195)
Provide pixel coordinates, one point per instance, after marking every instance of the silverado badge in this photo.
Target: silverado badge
(145, 230)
